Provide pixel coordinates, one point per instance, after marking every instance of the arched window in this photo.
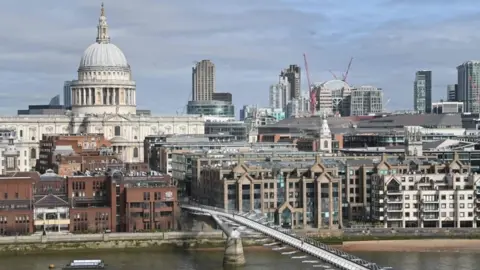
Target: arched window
(325, 144)
(21, 133)
(117, 131)
(135, 152)
(33, 153)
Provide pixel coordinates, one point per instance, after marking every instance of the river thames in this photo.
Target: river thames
(256, 260)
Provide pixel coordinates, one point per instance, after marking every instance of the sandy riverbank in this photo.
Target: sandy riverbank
(427, 245)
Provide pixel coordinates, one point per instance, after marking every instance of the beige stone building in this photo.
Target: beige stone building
(295, 194)
(426, 195)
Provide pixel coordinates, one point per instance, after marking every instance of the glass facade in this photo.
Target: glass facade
(211, 108)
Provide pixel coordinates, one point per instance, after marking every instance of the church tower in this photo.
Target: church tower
(10, 157)
(413, 141)
(325, 136)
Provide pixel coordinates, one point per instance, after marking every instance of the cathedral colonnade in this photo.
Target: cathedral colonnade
(85, 96)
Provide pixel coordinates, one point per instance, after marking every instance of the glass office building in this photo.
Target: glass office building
(211, 108)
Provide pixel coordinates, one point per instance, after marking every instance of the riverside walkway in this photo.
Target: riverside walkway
(314, 248)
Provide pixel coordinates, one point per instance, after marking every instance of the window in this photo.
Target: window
(21, 133)
(135, 152)
(325, 144)
(33, 153)
(146, 196)
(117, 131)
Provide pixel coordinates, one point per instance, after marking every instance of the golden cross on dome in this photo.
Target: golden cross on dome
(102, 10)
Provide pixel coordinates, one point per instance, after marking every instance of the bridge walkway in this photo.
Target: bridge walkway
(314, 248)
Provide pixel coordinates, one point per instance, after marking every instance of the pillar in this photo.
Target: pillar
(330, 205)
(234, 255)
(114, 98)
(318, 204)
(84, 96)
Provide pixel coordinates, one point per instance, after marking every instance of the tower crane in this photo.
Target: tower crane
(311, 90)
(345, 75)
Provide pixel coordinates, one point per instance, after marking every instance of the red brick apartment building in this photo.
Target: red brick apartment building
(16, 202)
(32, 203)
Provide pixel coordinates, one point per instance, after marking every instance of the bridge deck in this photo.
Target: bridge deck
(323, 252)
(336, 257)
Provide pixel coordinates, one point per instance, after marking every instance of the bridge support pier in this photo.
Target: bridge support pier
(233, 251)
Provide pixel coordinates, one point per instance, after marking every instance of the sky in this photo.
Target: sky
(250, 41)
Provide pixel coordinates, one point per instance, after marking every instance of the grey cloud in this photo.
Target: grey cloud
(249, 40)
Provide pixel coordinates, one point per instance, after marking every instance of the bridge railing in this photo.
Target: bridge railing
(334, 251)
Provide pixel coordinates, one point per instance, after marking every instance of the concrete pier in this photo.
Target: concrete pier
(234, 250)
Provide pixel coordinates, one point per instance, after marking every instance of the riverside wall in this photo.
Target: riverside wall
(371, 234)
(83, 242)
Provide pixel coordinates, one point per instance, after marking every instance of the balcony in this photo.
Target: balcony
(391, 209)
(477, 201)
(394, 192)
(430, 210)
(430, 217)
(477, 209)
(477, 191)
(394, 218)
(397, 199)
(41, 222)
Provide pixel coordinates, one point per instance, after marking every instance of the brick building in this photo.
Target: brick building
(53, 147)
(150, 205)
(16, 202)
(33, 203)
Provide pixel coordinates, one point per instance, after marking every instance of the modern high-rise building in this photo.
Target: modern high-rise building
(294, 75)
(452, 92)
(365, 100)
(67, 94)
(422, 91)
(468, 90)
(280, 94)
(203, 80)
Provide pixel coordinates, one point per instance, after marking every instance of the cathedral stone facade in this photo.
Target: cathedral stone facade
(103, 101)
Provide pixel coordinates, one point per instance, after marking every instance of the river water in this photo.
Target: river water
(256, 260)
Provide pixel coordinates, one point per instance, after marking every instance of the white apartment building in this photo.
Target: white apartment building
(444, 195)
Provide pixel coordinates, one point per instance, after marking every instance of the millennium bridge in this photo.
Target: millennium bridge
(307, 245)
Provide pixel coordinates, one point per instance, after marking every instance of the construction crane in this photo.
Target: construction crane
(311, 90)
(345, 75)
(333, 74)
(385, 105)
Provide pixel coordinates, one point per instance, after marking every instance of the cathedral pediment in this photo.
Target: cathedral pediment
(118, 139)
(116, 118)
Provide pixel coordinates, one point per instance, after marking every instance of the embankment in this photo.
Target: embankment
(83, 242)
(405, 239)
(419, 245)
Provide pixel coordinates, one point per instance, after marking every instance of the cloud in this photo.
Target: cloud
(250, 41)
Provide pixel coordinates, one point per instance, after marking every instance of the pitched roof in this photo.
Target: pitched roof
(51, 200)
